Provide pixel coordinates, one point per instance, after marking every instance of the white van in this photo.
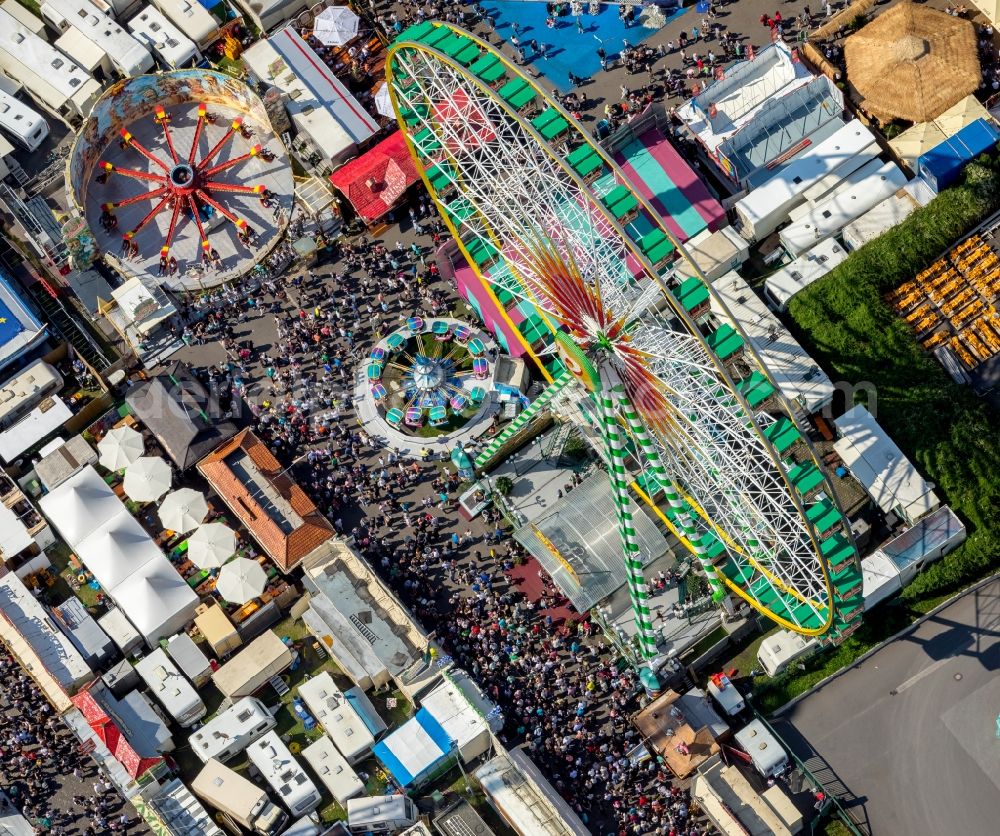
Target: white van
(380, 814)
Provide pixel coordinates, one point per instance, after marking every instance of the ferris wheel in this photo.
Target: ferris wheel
(545, 217)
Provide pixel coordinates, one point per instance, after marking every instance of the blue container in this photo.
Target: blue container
(308, 722)
(942, 165)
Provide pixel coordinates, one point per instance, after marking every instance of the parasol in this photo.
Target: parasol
(335, 26)
(147, 479)
(241, 580)
(120, 448)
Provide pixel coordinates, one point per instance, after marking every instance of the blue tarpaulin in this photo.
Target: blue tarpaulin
(414, 749)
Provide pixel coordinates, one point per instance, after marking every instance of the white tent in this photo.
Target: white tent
(147, 479)
(241, 580)
(122, 556)
(117, 549)
(120, 447)
(335, 26)
(81, 504)
(183, 509)
(157, 600)
(211, 545)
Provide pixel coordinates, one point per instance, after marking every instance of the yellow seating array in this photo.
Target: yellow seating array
(952, 302)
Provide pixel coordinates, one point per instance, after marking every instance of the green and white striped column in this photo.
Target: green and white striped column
(638, 590)
(515, 426)
(682, 511)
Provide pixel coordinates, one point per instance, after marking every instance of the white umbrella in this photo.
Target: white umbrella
(120, 447)
(183, 510)
(382, 103)
(147, 479)
(211, 545)
(241, 580)
(335, 26)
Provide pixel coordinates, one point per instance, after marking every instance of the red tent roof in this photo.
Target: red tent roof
(376, 180)
(106, 729)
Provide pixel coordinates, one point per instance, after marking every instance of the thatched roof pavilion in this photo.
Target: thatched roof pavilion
(912, 63)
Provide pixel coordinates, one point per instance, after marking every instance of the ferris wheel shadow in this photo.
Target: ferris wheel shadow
(812, 771)
(976, 639)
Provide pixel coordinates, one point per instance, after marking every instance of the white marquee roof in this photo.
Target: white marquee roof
(116, 550)
(80, 505)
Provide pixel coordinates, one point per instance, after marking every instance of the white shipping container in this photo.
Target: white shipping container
(831, 216)
(766, 207)
(790, 279)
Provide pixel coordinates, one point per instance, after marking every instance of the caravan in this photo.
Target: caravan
(380, 814)
(780, 287)
(175, 51)
(241, 802)
(284, 774)
(194, 20)
(229, 733)
(333, 771)
(170, 688)
(118, 51)
(337, 717)
(53, 80)
(22, 124)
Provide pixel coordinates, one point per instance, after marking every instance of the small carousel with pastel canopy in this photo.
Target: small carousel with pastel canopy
(429, 377)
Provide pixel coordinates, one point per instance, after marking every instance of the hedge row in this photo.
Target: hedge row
(953, 436)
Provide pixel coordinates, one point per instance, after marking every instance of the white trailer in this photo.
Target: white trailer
(766, 207)
(780, 287)
(239, 799)
(193, 19)
(337, 717)
(887, 214)
(870, 185)
(333, 770)
(125, 55)
(55, 82)
(768, 757)
(380, 814)
(173, 49)
(186, 654)
(269, 14)
(777, 652)
(881, 578)
(170, 688)
(229, 733)
(284, 774)
(24, 17)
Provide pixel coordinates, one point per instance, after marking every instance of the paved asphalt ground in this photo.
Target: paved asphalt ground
(912, 732)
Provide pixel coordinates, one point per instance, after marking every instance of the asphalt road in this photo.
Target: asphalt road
(912, 733)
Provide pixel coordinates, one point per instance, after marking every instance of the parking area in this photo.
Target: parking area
(910, 738)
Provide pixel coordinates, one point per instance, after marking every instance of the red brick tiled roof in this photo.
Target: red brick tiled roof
(286, 550)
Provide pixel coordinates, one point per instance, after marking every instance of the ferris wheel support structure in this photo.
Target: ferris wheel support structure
(546, 219)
